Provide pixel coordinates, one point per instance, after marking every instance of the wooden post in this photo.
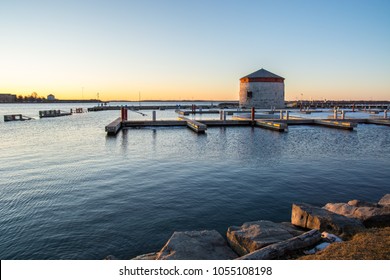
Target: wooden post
(385, 114)
(221, 115)
(253, 114)
(224, 115)
(154, 116)
(287, 114)
(335, 113)
(343, 114)
(281, 114)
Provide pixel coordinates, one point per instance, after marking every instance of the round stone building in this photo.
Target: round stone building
(262, 89)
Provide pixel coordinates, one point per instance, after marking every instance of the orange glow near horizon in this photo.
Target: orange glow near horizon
(219, 92)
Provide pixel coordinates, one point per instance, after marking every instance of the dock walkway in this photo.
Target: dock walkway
(280, 125)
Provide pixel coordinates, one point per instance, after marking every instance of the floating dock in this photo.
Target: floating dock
(196, 126)
(53, 113)
(16, 117)
(114, 127)
(277, 126)
(280, 125)
(336, 124)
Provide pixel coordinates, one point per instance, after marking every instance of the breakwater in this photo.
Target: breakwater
(310, 230)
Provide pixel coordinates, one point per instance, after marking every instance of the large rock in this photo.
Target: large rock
(370, 216)
(312, 217)
(385, 200)
(284, 248)
(252, 236)
(359, 203)
(196, 245)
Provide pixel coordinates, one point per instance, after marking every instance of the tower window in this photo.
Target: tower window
(249, 94)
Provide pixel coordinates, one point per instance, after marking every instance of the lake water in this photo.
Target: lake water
(67, 191)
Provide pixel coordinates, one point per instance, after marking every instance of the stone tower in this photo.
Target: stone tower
(262, 89)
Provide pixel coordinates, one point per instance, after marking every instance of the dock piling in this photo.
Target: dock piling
(253, 114)
(385, 114)
(154, 116)
(124, 114)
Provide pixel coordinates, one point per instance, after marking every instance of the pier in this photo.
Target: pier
(277, 124)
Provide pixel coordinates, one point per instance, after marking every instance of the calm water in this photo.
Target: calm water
(68, 191)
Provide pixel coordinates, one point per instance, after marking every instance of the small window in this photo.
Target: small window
(249, 94)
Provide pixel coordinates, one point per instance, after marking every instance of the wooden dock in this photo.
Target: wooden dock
(379, 121)
(16, 117)
(277, 126)
(196, 126)
(53, 113)
(336, 124)
(280, 125)
(114, 127)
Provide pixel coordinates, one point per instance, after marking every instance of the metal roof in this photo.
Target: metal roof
(262, 73)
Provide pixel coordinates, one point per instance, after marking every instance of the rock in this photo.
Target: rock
(196, 245)
(145, 257)
(359, 203)
(283, 248)
(370, 216)
(385, 200)
(252, 236)
(308, 216)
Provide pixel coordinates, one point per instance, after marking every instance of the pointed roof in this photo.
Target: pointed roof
(262, 73)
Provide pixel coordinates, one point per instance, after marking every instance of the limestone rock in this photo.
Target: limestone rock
(252, 236)
(385, 200)
(370, 216)
(281, 249)
(359, 203)
(196, 245)
(308, 216)
(145, 257)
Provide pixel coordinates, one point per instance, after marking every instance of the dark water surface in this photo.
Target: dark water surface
(68, 191)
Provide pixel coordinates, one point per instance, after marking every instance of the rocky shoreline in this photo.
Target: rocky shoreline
(310, 230)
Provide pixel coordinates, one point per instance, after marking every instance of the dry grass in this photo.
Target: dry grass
(372, 244)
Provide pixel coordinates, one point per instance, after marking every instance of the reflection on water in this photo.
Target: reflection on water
(70, 192)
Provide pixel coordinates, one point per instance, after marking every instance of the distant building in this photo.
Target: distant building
(51, 97)
(262, 89)
(7, 98)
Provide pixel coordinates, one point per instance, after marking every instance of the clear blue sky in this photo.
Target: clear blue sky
(194, 49)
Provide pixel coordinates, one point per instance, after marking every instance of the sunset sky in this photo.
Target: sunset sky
(194, 49)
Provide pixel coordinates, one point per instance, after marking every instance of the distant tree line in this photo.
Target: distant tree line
(33, 97)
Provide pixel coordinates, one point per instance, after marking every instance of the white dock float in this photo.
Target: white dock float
(114, 127)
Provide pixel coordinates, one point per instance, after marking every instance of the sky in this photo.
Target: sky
(126, 50)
